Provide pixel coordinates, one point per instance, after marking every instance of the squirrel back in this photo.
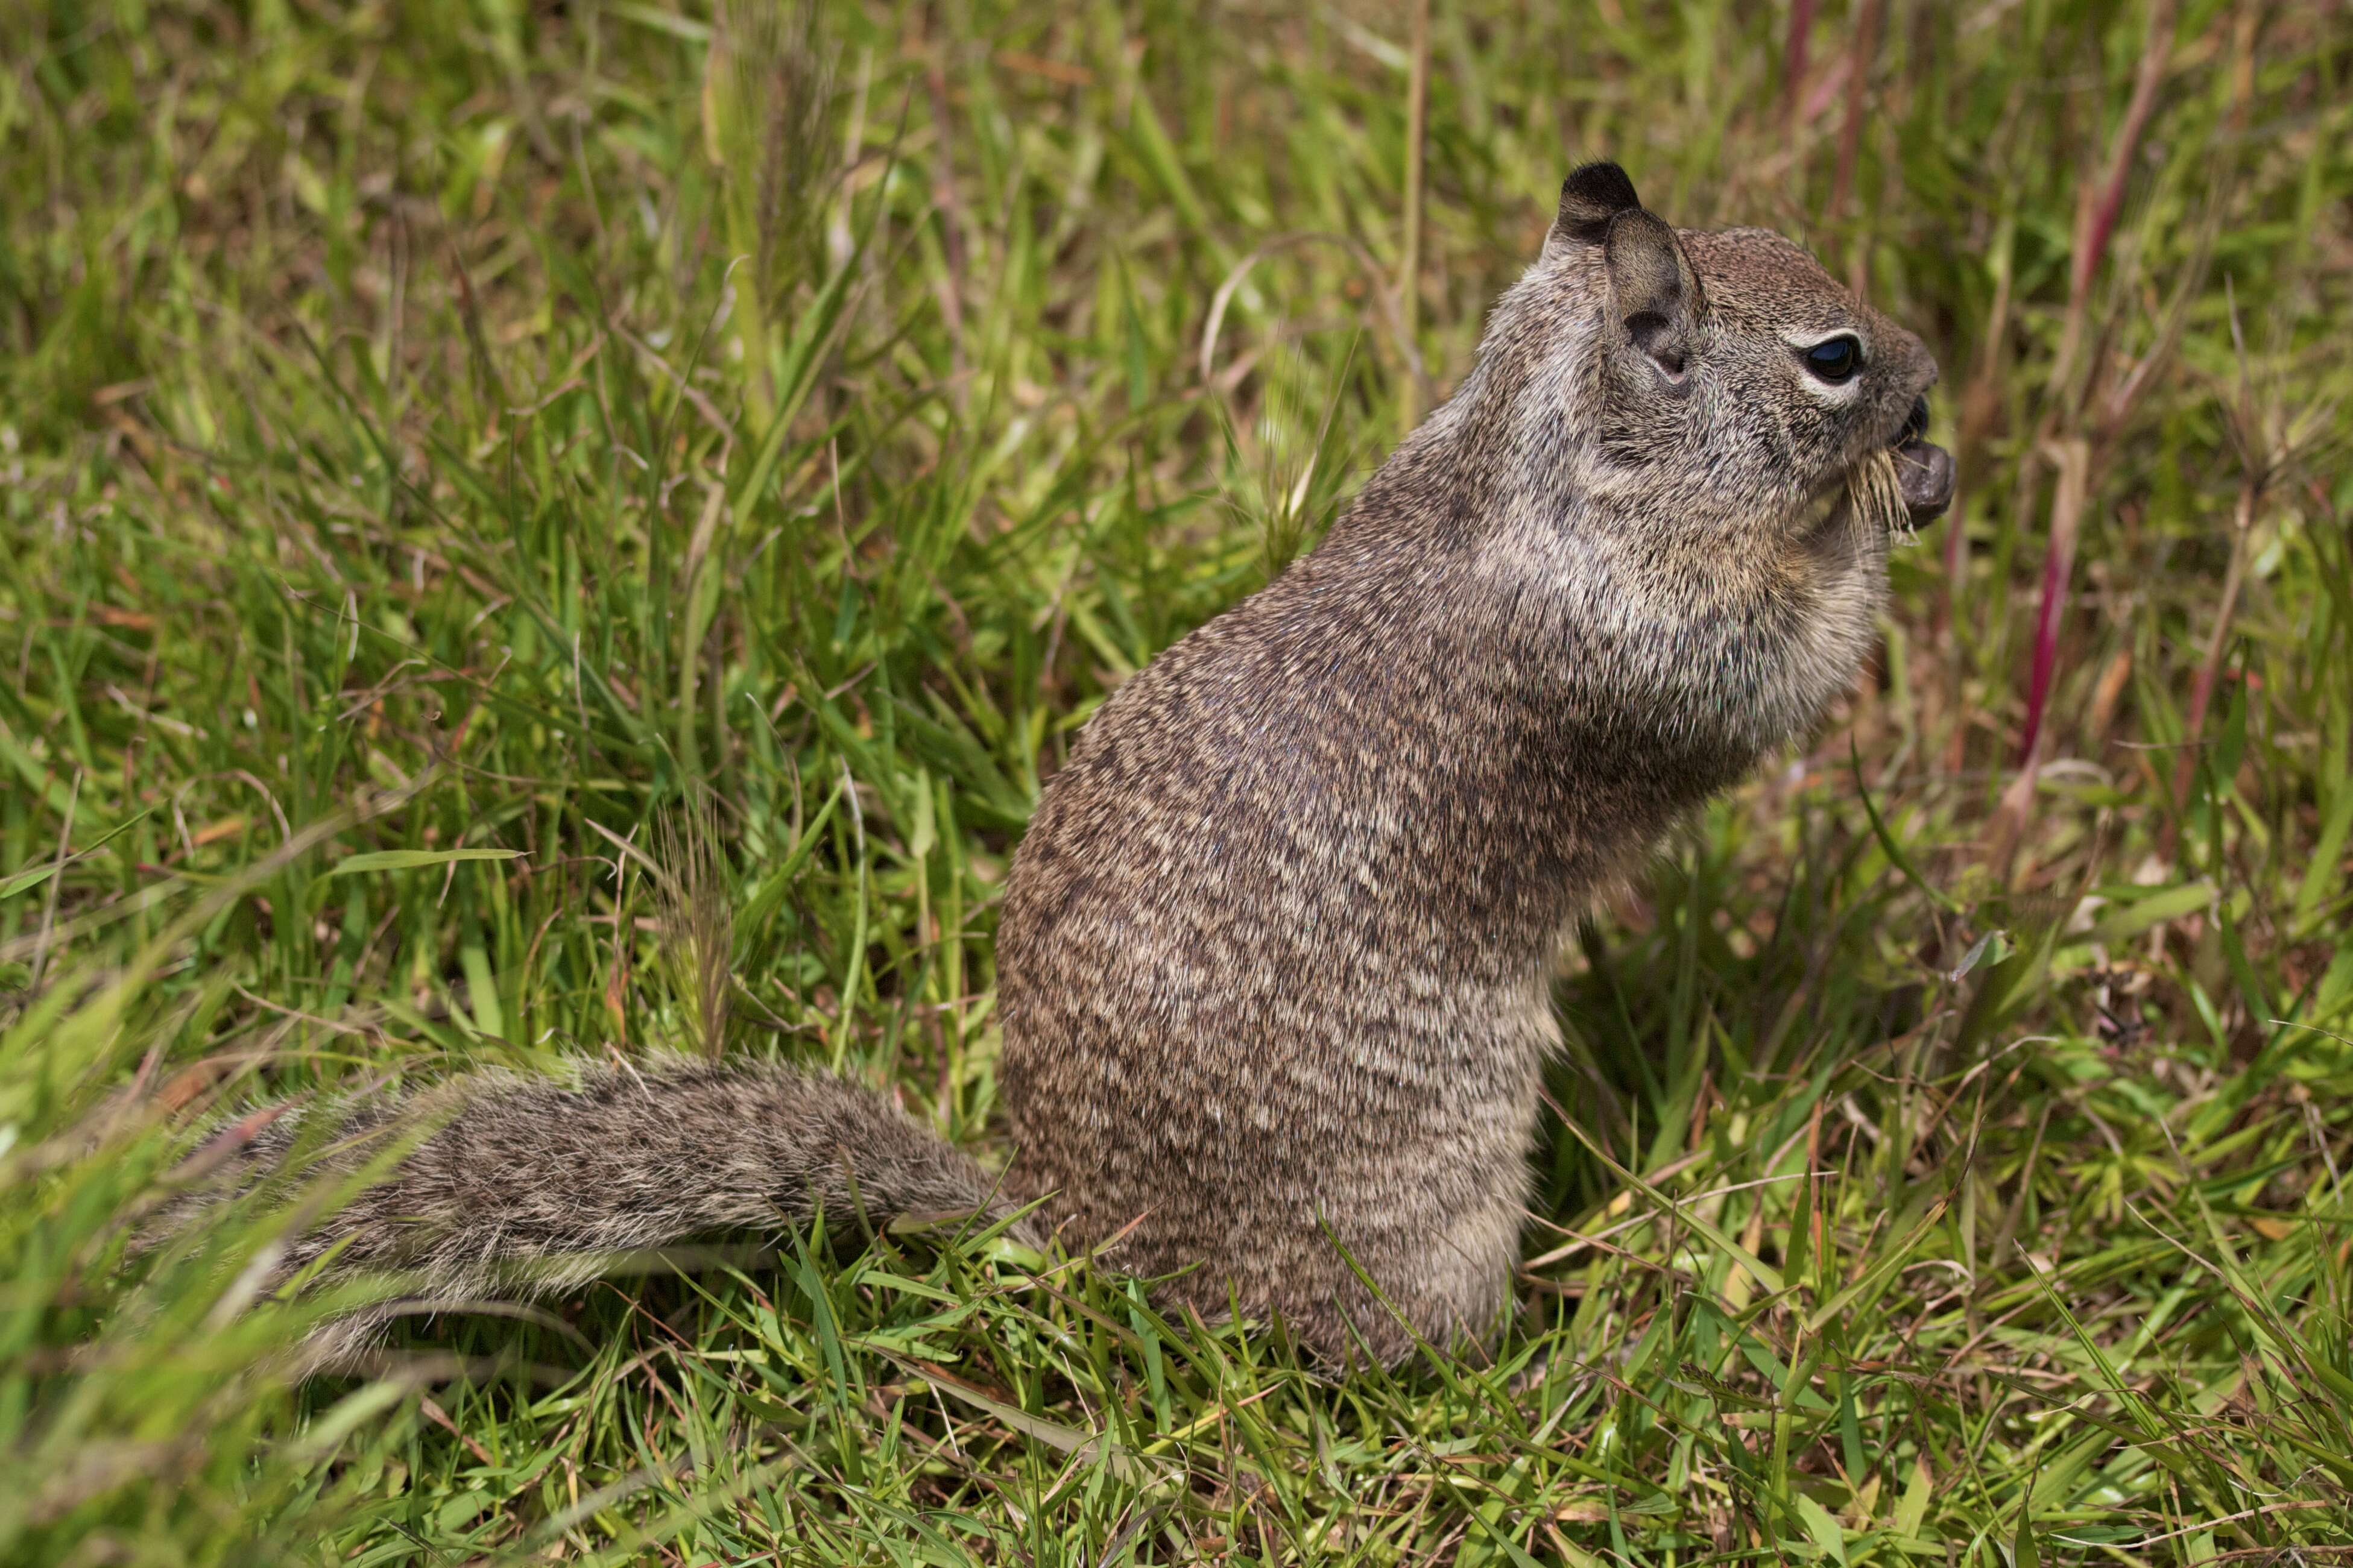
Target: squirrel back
(1276, 957)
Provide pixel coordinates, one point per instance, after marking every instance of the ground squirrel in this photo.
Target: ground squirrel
(1275, 955)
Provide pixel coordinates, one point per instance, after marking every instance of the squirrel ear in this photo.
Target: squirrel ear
(1653, 290)
(1590, 198)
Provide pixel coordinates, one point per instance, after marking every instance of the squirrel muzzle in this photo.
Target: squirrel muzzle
(1924, 470)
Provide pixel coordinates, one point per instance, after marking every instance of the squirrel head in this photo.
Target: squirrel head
(1718, 384)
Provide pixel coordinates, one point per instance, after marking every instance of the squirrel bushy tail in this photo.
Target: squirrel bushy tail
(527, 1187)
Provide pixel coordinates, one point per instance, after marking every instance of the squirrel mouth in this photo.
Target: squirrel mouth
(1923, 471)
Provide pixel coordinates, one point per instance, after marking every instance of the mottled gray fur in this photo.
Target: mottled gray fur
(1275, 958)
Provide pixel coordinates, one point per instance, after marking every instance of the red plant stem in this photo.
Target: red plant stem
(2100, 202)
(2096, 224)
(1417, 133)
(1793, 61)
(2074, 461)
(1866, 50)
(2057, 565)
(2101, 219)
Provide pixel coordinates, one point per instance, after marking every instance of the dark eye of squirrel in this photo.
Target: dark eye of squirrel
(1835, 359)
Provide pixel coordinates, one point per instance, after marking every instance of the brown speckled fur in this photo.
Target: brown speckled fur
(1276, 957)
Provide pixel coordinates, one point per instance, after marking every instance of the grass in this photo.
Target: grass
(467, 436)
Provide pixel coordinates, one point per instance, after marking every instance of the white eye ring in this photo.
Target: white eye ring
(1844, 390)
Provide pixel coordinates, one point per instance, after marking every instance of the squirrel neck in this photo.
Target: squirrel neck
(1513, 691)
(1634, 647)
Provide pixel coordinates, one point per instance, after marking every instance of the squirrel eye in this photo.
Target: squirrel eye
(1834, 359)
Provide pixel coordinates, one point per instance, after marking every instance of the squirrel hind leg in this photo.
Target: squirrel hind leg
(1459, 1322)
(1447, 1295)
(1444, 1288)
(1447, 1303)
